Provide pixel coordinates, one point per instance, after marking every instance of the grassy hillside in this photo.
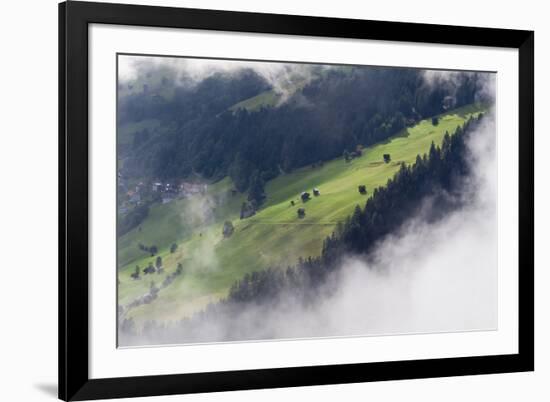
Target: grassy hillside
(273, 236)
(272, 97)
(265, 99)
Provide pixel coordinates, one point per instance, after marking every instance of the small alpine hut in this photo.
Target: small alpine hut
(305, 196)
(316, 192)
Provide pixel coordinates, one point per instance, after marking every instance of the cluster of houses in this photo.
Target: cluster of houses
(138, 194)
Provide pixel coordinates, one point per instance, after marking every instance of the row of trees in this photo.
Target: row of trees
(158, 267)
(149, 269)
(148, 249)
(127, 325)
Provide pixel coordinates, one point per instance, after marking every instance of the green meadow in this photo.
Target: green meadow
(264, 99)
(273, 236)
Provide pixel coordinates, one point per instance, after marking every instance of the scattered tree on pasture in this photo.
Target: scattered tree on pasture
(150, 269)
(228, 229)
(135, 275)
(158, 264)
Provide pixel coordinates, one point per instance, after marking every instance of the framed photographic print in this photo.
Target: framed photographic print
(257, 201)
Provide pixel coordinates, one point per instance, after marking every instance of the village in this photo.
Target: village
(143, 192)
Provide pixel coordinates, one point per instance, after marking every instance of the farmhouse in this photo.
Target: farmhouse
(316, 192)
(305, 196)
(301, 213)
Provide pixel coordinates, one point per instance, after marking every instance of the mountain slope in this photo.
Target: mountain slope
(274, 235)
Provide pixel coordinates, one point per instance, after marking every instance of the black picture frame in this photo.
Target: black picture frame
(74, 18)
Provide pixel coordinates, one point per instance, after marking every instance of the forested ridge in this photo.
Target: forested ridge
(437, 176)
(335, 111)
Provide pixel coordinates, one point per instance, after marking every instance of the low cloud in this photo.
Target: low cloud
(451, 81)
(282, 77)
(198, 213)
